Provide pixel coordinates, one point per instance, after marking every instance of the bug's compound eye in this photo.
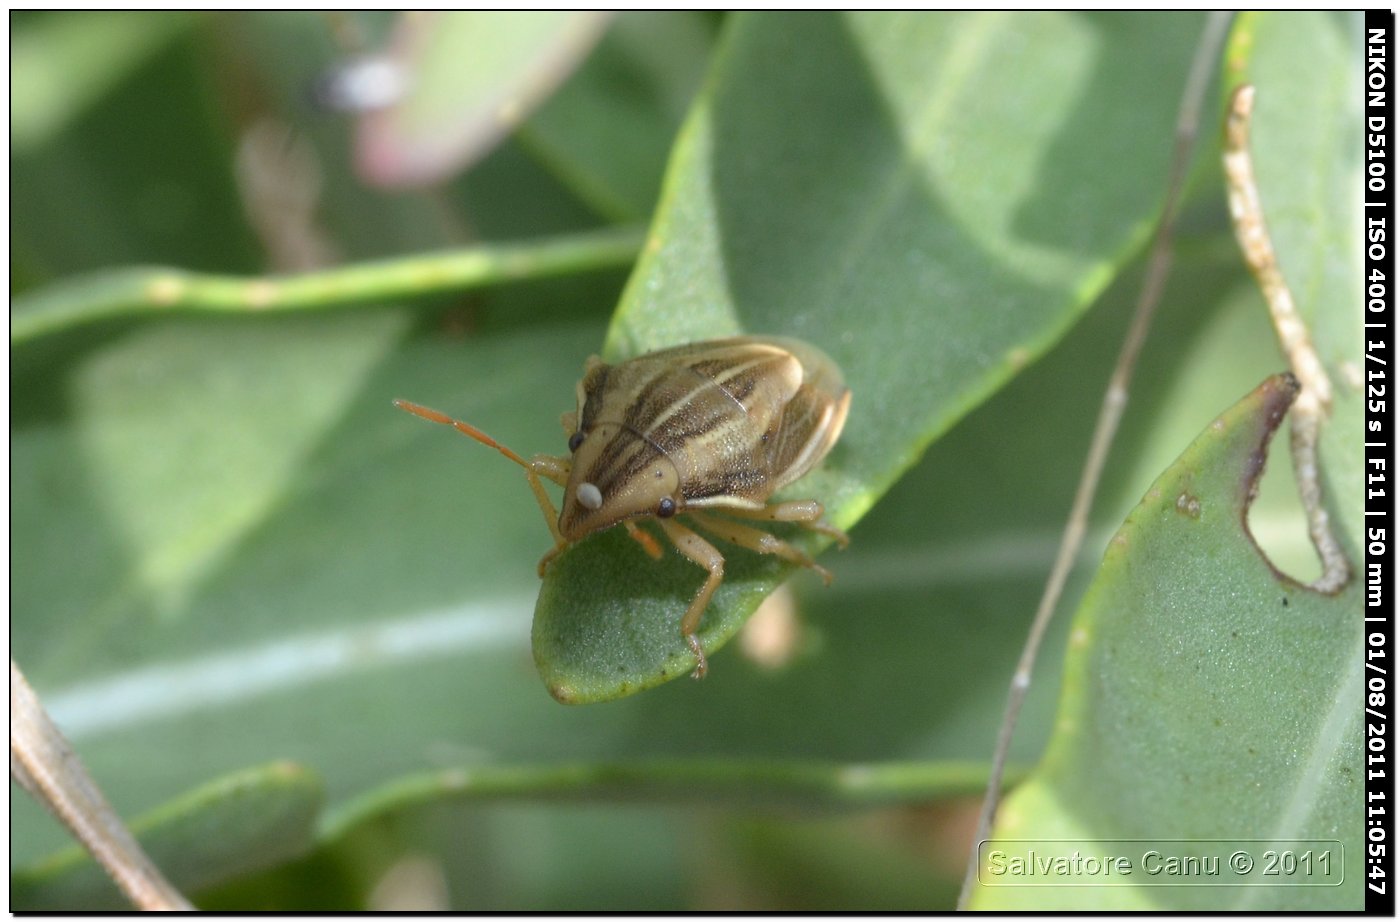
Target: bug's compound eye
(575, 441)
(589, 496)
(666, 508)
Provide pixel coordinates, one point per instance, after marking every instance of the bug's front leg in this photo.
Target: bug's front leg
(805, 512)
(557, 470)
(648, 543)
(706, 555)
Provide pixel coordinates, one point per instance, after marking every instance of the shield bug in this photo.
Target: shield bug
(689, 431)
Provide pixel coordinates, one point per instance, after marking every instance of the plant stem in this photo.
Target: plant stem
(136, 291)
(726, 781)
(1115, 399)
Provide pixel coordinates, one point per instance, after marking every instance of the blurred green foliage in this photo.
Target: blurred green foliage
(230, 551)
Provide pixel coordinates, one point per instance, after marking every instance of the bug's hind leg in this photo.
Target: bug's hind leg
(706, 555)
(805, 512)
(756, 539)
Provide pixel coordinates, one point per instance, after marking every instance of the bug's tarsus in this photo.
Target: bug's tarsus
(548, 558)
(843, 540)
(702, 665)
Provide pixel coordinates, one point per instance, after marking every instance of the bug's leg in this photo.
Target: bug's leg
(755, 539)
(647, 542)
(706, 555)
(552, 468)
(557, 470)
(548, 466)
(805, 512)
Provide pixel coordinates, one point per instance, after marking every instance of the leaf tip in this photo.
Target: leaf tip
(564, 693)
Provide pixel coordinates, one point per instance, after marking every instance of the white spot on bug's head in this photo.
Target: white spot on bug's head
(589, 496)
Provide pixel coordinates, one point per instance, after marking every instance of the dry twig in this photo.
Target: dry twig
(46, 766)
(1110, 413)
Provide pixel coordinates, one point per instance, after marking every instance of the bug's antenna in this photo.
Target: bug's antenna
(433, 416)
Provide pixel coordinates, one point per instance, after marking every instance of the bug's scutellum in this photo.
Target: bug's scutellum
(718, 425)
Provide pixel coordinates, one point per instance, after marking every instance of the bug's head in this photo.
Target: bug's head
(615, 476)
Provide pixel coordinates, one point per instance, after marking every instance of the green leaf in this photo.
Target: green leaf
(237, 825)
(607, 131)
(887, 188)
(114, 179)
(63, 62)
(1206, 698)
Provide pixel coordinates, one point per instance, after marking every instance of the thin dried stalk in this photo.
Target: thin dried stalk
(1314, 403)
(1110, 413)
(46, 766)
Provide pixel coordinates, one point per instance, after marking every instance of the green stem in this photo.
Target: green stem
(135, 291)
(724, 782)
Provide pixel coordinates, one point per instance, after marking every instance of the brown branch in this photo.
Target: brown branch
(46, 766)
